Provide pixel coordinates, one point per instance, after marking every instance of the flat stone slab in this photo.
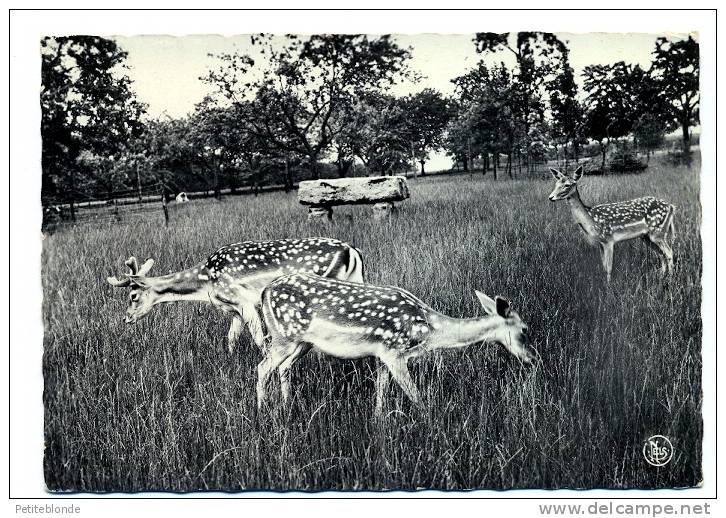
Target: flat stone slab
(352, 191)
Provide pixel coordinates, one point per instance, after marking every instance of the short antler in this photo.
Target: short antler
(134, 272)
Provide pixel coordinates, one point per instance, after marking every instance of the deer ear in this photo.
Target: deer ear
(556, 174)
(503, 309)
(577, 174)
(489, 305)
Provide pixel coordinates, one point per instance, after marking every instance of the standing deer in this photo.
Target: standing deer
(348, 320)
(609, 223)
(234, 276)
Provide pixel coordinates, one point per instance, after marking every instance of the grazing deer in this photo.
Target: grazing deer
(348, 320)
(234, 276)
(609, 223)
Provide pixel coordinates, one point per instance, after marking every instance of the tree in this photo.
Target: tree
(87, 107)
(538, 56)
(305, 83)
(491, 117)
(565, 109)
(613, 102)
(458, 134)
(676, 69)
(428, 113)
(383, 142)
(649, 132)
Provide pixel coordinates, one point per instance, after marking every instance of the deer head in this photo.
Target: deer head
(510, 331)
(565, 185)
(142, 297)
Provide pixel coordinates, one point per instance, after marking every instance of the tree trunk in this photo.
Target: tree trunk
(163, 200)
(344, 167)
(314, 170)
(423, 171)
(495, 163)
(217, 193)
(288, 174)
(603, 150)
(464, 163)
(73, 193)
(686, 137)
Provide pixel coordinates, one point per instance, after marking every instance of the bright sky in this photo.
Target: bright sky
(166, 69)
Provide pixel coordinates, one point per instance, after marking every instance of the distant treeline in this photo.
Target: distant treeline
(321, 106)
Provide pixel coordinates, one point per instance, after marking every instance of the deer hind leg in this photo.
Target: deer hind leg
(235, 330)
(661, 242)
(606, 254)
(382, 378)
(284, 368)
(399, 370)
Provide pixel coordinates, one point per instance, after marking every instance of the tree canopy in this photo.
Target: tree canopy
(88, 109)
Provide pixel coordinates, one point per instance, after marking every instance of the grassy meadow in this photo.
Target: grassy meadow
(161, 405)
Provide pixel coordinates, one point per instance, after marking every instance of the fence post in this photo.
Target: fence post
(163, 202)
(115, 210)
(138, 181)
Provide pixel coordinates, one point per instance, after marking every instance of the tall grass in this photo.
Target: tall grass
(161, 406)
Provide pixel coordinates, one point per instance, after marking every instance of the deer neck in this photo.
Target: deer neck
(190, 285)
(581, 213)
(455, 333)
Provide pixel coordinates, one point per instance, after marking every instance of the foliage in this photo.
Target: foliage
(566, 111)
(88, 108)
(649, 132)
(427, 114)
(305, 85)
(676, 69)
(539, 57)
(490, 121)
(383, 142)
(298, 102)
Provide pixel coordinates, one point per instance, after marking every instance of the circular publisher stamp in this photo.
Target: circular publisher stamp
(657, 450)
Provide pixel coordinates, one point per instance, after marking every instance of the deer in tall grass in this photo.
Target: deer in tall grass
(609, 223)
(348, 320)
(233, 277)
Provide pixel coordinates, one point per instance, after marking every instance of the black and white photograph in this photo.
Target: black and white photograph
(371, 262)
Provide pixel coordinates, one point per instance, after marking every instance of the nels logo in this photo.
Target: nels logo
(657, 450)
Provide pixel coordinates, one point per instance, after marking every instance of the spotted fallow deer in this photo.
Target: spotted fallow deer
(606, 224)
(233, 278)
(348, 320)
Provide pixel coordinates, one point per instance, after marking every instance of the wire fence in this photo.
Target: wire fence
(113, 207)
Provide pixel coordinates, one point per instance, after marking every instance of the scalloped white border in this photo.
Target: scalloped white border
(24, 201)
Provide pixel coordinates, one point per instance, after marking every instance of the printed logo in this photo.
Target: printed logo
(658, 450)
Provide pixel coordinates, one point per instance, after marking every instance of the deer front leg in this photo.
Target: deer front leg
(235, 330)
(251, 317)
(606, 252)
